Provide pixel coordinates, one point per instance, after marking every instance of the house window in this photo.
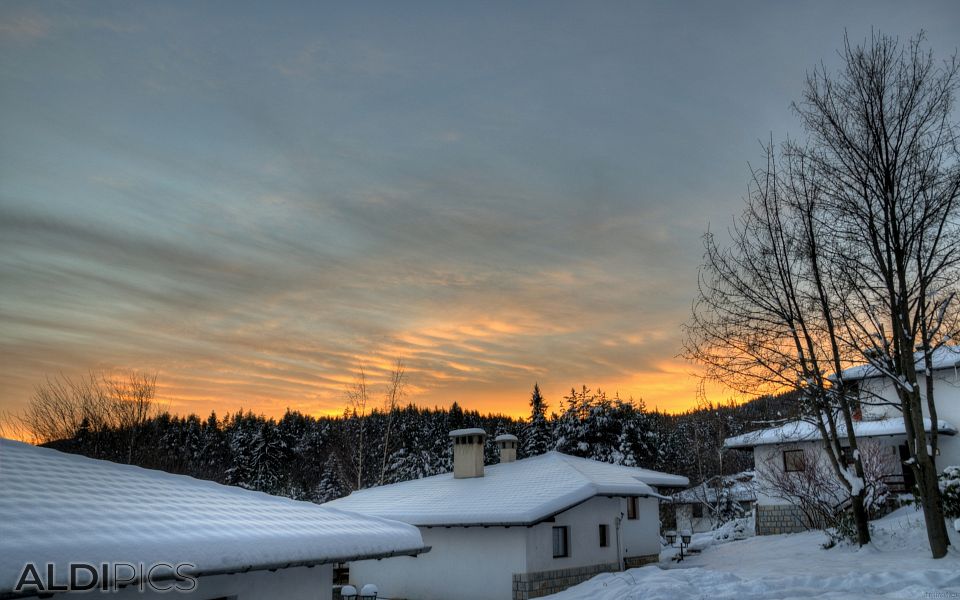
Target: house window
(561, 538)
(604, 535)
(848, 456)
(793, 461)
(632, 508)
(697, 511)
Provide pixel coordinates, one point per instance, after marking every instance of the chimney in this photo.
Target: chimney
(507, 444)
(468, 452)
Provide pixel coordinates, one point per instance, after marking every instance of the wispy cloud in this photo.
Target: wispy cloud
(256, 202)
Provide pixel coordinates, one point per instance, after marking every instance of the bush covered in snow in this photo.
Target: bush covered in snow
(728, 508)
(950, 491)
(735, 529)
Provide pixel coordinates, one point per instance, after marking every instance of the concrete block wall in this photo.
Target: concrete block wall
(544, 583)
(632, 562)
(780, 519)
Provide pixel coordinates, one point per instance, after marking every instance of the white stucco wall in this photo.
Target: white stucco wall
(468, 563)
(641, 536)
(299, 583)
(478, 563)
(947, 389)
(773, 455)
(687, 522)
(584, 536)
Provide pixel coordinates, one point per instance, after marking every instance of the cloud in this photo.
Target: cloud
(24, 26)
(257, 204)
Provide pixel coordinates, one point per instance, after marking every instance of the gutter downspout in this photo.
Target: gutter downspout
(619, 544)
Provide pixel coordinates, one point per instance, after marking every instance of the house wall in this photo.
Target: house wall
(947, 388)
(468, 563)
(687, 522)
(299, 583)
(777, 515)
(637, 542)
(641, 537)
(516, 563)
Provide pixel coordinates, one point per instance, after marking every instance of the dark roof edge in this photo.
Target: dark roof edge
(8, 595)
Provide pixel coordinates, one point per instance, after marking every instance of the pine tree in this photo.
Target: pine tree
(331, 484)
(728, 508)
(571, 430)
(538, 436)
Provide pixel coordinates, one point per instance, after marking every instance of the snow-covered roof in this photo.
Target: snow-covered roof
(60, 508)
(506, 437)
(470, 431)
(522, 492)
(802, 431)
(944, 357)
(740, 488)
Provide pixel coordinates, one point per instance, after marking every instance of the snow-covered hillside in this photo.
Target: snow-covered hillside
(896, 565)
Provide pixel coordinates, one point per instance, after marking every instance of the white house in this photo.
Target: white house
(695, 506)
(791, 447)
(149, 529)
(518, 529)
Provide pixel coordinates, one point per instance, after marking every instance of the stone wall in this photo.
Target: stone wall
(632, 562)
(543, 583)
(780, 519)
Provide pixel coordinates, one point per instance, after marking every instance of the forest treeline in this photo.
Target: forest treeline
(322, 458)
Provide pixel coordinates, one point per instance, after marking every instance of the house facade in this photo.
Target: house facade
(696, 508)
(149, 534)
(515, 530)
(788, 453)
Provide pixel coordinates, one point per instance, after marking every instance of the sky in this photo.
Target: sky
(256, 200)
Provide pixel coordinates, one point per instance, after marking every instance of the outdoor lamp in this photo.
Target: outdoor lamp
(348, 591)
(671, 537)
(369, 592)
(685, 537)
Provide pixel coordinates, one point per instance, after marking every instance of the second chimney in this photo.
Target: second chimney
(507, 444)
(468, 452)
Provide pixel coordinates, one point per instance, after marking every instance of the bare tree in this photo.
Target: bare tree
(357, 397)
(396, 388)
(882, 138)
(764, 320)
(817, 491)
(352, 451)
(131, 404)
(63, 408)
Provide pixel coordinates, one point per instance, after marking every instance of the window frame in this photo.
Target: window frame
(696, 510)
(787, 463)
(561, 544)
(604, 532)
(632, 508)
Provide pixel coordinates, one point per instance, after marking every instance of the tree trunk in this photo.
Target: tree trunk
(860, 518)
(932, 507)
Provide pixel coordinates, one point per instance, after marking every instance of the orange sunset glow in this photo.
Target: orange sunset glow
(256, 207)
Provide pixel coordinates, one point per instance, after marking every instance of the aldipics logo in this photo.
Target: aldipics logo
(45, 578)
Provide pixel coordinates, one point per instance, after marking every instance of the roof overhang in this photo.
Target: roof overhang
(9, 595)
(537, 521)
(943, 428)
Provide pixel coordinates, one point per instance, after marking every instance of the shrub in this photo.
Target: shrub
(950, 492)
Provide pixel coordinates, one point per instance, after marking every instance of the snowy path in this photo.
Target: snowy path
(896, 566)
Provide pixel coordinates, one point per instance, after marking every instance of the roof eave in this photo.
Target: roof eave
(538, 520)
(9, 595)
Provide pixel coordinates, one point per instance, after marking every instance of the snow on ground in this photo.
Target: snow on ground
(897, 565)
